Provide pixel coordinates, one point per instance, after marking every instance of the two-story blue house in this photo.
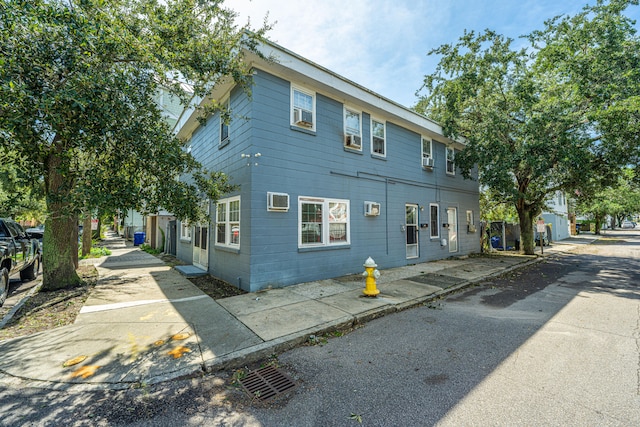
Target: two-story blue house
(328, 174)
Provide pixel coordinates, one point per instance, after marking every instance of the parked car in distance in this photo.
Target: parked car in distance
(37, 233)
(628, 224)
(19, 253)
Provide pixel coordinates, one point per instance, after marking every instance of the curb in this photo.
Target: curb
(263, 350)
(7, 318)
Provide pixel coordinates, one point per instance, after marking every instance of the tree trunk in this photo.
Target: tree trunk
(60, 243)
(86, 234)
(527, 242)
(599, 219)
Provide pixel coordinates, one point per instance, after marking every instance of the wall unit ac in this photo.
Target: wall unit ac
(302, 117)
(371, 209)
(427, 162)
(353, 141)
(277, 202)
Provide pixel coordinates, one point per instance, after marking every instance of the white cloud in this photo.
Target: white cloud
(383, 44)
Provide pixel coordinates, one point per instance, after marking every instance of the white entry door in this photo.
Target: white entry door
(201, 245)
(452, 220)
(411, 228)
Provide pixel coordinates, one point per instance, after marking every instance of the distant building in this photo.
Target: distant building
(558, 216)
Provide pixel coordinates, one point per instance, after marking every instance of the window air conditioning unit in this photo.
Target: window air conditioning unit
(353, 141)
(302, 117)
(371, 209)
(427, 162)
(277, 202)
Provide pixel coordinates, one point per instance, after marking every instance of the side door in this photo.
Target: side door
(200, 246)
(452, 220)
(411, 228)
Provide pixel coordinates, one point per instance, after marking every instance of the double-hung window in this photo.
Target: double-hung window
(427, 153)
(352, 129)
(451, 169)
(224, 124)
(323, 222)
(434, 220)
(303, 108)
(378, 140)
(228, 222)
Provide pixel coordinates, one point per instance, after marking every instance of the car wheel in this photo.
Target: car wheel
(31, 272)
(4, 285)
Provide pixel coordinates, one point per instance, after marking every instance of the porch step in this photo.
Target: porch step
(190, 271)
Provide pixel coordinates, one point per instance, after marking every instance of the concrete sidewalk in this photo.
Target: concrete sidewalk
(145, 323)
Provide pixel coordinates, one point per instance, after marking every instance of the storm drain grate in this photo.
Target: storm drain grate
(266, 383)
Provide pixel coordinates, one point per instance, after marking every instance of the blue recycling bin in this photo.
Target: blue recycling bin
(138, 238)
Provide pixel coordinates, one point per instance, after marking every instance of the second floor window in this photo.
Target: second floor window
(451, 169)
(427, 155)
(303, 108)
(378, 140)
(224, 125)
(352, 129)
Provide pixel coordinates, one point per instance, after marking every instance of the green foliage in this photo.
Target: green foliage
(620, 199)
(21, 197)
(148, 249)
(494, 209)
(96, 252)
(78, 83)
(545, 117)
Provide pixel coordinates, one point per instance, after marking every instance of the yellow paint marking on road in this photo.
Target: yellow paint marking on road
(181, 336)
(85, 371)
(74, 361)
(178, 352)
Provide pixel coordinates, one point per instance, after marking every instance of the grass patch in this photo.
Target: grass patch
(148, 249)
(96, 252)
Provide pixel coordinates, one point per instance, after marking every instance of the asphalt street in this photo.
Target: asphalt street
(557, 343)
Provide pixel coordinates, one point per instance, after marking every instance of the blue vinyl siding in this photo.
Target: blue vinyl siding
(316, 164)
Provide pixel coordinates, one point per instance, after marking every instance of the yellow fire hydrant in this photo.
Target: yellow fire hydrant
(371, 273)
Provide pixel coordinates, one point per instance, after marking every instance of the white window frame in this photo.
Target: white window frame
(327, 220)
(434, 224)
(225, 141)
(384, 137)
(351, 131)
(426, 155)
(294, 89)
(228, 222)
(185, 231)
(450, 159)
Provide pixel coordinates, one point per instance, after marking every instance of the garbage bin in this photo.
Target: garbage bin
(138, 238)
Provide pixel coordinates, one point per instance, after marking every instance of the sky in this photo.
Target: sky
(383, 44)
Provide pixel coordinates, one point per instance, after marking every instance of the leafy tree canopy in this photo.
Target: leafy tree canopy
(77, 85)
(619, 200)
(543, 117)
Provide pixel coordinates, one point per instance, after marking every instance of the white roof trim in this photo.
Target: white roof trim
(299, 70)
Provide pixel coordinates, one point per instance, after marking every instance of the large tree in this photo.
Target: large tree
(546, 116)
(78, 80)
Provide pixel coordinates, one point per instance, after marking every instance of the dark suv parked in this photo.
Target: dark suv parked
(19, 253)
